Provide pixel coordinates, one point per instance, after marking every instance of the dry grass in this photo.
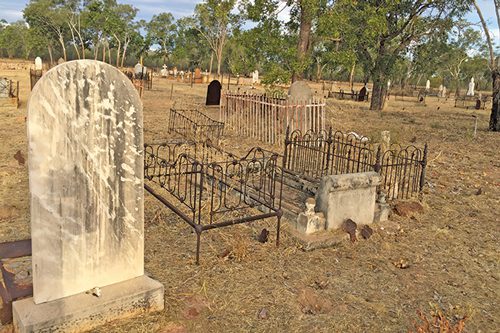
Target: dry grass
(451, 250)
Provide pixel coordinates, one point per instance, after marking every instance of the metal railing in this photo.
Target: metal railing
(313, 155)
(265, 118)
(208, 192)
(194, 125)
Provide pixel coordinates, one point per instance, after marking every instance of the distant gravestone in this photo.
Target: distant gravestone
(164, 71)
(197, 76)
(255, 77)
(300, 91)
(38, 64)
(213, 93)
(87, 208)
(428, 85)
(362, 94)
(470, 91)
(60, 61)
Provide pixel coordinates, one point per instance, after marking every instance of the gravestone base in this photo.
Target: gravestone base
(84, 311)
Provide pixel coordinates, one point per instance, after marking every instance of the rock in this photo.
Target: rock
(262, 238)
(403, 264)
(194, 306)
(366, 232)
(263, 313)
(350, 226)
(479, 192)
(312, 303)
(408, 209)
(7, 212)
(19, 157)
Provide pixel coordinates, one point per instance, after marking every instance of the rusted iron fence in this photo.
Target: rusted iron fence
(265, 118)
(9, 91)
(210, 189)
(194, 125)
(35, 75)
(472, 102)
(313, 155)
(354, 95)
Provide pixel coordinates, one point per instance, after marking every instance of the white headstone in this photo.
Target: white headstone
(255, 77)
(428, 85)
(389, 85)
(86, 179)
(443, 93)
(38, 64)
(470, 91)
(138, 68)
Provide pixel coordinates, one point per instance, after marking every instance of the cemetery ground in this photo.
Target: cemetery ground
(444, 258)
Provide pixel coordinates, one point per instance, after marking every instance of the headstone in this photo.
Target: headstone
(164, 71)
(255, 77)
(362, 94)
(389, 85)
(300, 91)
(138, 68)
(443, 93)
(175, 72)
(428, 85)
(197, 76)
(385, 141)
(38, 64)
(60, 61)
(4, 87)
(470, 91)
(213, 93)
(85, 137)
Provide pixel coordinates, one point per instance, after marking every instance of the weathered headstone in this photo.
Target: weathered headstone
(164, 71)
(255, 77)
(87, 207)
(213, 93)
(428, 85)
(300, 91)
(470, 91)
(443, 93)
(60, 61)
(197, 76)
(38, 64)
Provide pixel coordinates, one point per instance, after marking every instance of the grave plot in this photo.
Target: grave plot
(416, 96)
(311, 156)
(354, 95)
(9, 92)
(209, 188)
(472, 102)
(194, 125)
(266, 118)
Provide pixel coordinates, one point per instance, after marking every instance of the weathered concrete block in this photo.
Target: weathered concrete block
(84, 311)
(348, 196)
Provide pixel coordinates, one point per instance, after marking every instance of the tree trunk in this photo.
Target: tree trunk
(306, 18)
(379, 92)
(211, 61)
(495, 112)
(124, 53)
(61, 41)
(49, 48)
(351, 76)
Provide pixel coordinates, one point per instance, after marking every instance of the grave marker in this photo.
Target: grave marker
(300, 91)
(213, 93)
(87, 210)
(38, 64)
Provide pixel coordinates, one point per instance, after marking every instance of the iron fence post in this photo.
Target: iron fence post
(329, 142)
(378, 166)
(424, 167)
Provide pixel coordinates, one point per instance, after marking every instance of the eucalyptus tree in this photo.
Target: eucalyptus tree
(161, 31)
(215, 21)
(384, 31)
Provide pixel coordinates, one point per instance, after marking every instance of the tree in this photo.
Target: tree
(215, 21)
(494, 124)
(161, 31)
(385, 30)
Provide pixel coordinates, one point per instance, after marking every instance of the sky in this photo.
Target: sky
(11, 10)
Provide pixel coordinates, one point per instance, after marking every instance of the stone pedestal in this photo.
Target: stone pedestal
(310, 222)
(85, 311)
(348, 196)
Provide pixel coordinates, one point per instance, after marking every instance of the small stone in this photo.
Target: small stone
(403, 264)
(350, 226)
(366, 232)
(264, 235)
(263, 313)
(479, 192)
(19, 157)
